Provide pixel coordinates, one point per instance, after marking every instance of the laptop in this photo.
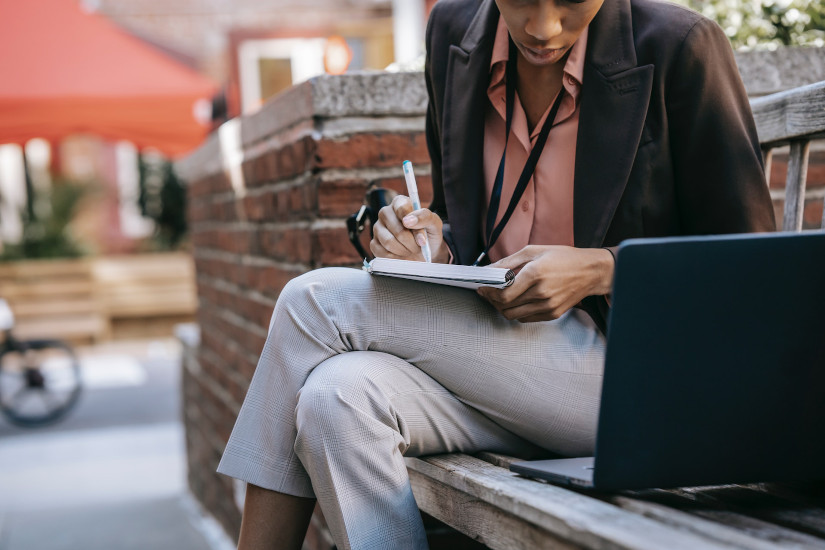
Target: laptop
(715, 366)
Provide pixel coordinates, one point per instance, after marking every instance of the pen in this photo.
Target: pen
(412, 191)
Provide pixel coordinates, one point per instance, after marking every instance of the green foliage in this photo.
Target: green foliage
(47, 235)
(163, 199)
(766, 23)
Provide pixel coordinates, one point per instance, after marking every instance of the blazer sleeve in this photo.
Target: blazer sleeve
(433, 129)
(718, 170)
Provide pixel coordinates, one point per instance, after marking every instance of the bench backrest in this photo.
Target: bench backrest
(795, 118)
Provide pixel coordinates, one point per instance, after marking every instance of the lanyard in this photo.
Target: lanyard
(492, 232)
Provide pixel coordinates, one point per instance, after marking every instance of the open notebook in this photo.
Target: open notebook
(444, 274)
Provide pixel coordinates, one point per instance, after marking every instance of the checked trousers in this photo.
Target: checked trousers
(360, 371)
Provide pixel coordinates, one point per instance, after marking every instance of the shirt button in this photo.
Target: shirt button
(525, 206)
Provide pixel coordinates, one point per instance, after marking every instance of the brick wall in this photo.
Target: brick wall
(268, 199)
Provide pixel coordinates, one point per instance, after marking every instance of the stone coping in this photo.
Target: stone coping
(358, 94)
(768, 72)
(385, 94)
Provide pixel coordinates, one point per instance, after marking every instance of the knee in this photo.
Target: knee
(318, 283)
(302, 293)
(337, 400)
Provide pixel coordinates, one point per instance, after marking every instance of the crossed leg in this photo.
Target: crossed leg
(360, 371)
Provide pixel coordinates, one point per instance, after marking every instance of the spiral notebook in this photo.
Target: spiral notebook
(464, 276)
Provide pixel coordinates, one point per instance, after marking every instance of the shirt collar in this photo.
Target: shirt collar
(574, 67)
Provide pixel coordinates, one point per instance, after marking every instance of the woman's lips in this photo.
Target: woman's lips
(542, 56)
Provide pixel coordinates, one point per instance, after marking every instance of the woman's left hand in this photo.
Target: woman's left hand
(550, 280)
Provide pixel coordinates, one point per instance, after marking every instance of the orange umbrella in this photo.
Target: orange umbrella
(64, 71)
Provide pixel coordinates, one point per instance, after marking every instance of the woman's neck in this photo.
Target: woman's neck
(537, 87)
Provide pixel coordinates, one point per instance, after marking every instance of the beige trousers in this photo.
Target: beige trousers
(359, 371)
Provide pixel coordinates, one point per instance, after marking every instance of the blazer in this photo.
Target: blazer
(666, 144)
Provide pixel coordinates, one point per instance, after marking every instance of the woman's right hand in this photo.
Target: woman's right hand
(393, 232)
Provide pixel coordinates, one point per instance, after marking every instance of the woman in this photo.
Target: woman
(575, 124)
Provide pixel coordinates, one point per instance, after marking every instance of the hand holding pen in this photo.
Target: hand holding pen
(412, 190)
(402, 223)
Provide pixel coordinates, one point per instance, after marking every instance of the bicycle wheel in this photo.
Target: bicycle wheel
(39, 381)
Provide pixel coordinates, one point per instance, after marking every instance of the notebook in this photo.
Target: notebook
(443, 274)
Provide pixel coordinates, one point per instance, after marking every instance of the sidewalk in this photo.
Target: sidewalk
(112, 475)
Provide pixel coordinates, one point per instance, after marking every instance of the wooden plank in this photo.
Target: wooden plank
(688, 501)
(147, 285)
(724, 534)
(81, 328)
(795, 185)
(45, 269)
(21, 290)
(480, 520)
(23, 310)
(565, 514)
(682, 508)
(790, 115)
(118, 268)
(802, 514)
(141, 288)
(767, 159)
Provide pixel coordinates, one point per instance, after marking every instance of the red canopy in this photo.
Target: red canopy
(64, 71)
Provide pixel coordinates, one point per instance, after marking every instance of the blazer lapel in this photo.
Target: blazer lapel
(615, 97)
(468, 69)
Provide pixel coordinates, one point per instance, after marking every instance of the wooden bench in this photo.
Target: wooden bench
(480, 497)
(89, 300)
(53, 299)
(147, 293)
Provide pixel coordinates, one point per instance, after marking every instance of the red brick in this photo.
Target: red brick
(287, 166)
(293, 245)
(340, 198)
(816, 170)
(296, 201)
(332, 247)
(424, 184)
(281, 201)
(812, 215)
(371, 150)
(248, 170)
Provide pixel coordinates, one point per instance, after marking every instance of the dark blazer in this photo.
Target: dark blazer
(666, 141)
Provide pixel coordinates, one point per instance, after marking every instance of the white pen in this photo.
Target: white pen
(412, 191)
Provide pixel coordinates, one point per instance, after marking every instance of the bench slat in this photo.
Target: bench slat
(792, 511)
(767, 160)
(722, 533)
(795, 185)
(566, 514)
(480, 520)
(790, 115)
(700, 509)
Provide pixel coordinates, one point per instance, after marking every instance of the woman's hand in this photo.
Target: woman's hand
(550, 280)
(393, 232)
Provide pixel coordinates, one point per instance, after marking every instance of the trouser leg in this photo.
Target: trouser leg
(540, 381)
(358, 413)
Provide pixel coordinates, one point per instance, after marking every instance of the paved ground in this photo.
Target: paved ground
(112, 474)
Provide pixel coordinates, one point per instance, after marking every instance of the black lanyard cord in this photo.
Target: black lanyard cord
(492, 230)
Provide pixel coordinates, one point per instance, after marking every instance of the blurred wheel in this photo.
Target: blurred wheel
(39, 381)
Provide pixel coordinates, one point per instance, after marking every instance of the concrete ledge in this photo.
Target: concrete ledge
(767, 72)
(365, 94)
